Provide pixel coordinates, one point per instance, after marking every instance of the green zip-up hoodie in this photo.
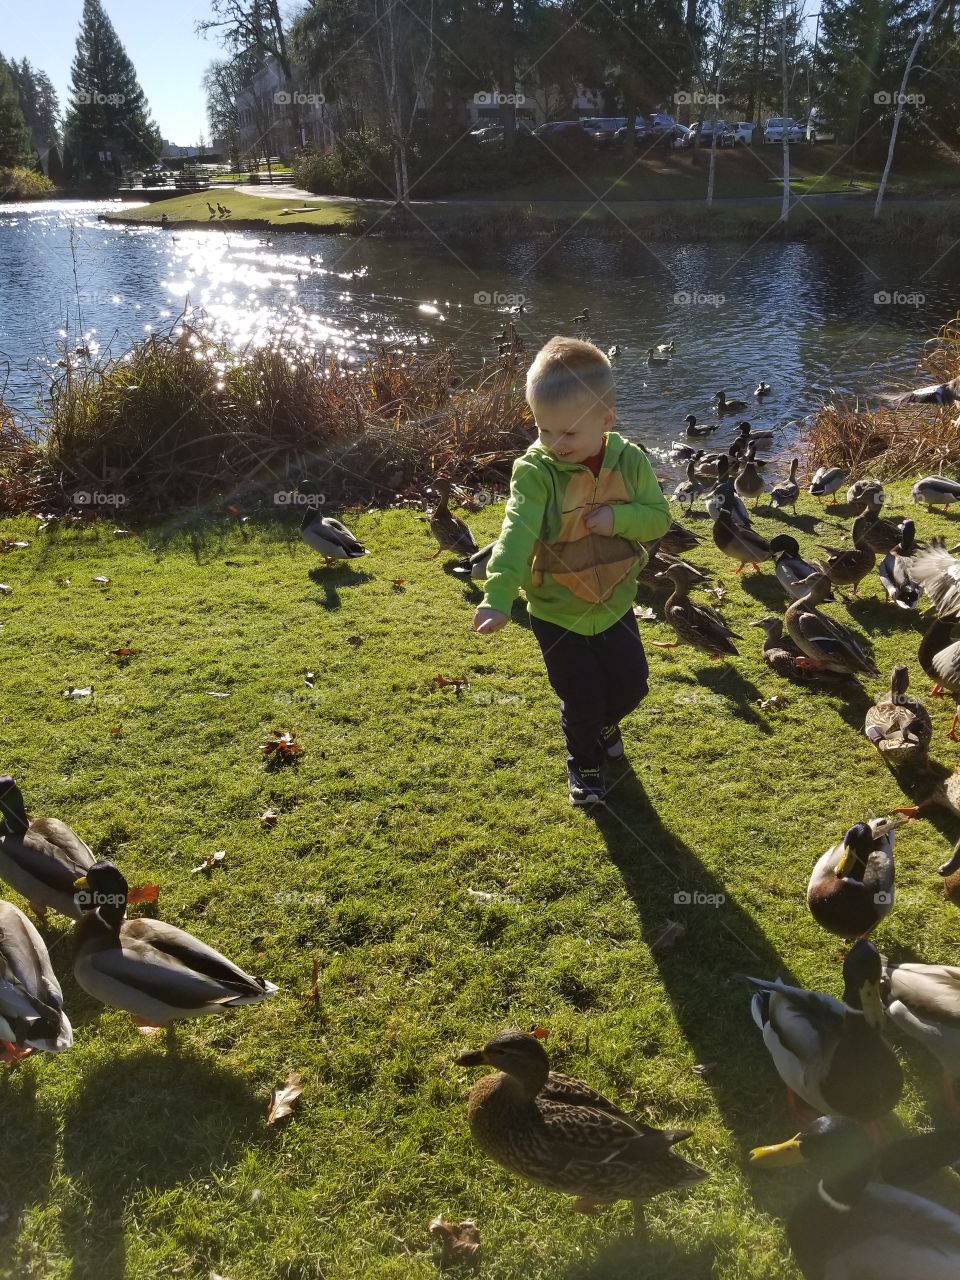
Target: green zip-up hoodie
(579, 580)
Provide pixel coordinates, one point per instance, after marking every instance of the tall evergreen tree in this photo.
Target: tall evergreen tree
(16, 145)
(38, 102)
(108, 122)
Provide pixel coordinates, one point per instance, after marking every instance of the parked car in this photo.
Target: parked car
(744, 133)
(660, 123)
(493, 134)
(603, 129)
(819, 130)
(774, 128)
(704, 131)
(562, 127)
(640, 133)
(678, 137)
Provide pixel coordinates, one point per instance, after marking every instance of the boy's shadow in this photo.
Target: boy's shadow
(702, 971)
(29, 1150)
(145, 1122)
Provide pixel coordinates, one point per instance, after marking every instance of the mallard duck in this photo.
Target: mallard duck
(654, 574)
(848, 566)
(694, 432)
(825, 642)
(877, 532)
(855, 1227)
(827, 480)
(782, 656)
(790, 567)
(865, 494)
(31, 1002)
(665, 348)
(936, 491)
(897, 725)
(749, 482)
(739, 543)
(723, 494)
(583, 317)
(723, 405)
(656, 357)
(687, 491)
(40, 858)
(558, 1132)
(894, 570)
(924, 1001)
(939, 656)
(155, 971)
(938, 573)
(475, 566)
(452, 533)
(851, 886)
(762, 389)
(945, 793)
(832, 1054)
(759, 439)
(695, 624)
(678, 539)
(614, 351)
(935, 393)
(787, 492)
(718, 466)
(333, 540)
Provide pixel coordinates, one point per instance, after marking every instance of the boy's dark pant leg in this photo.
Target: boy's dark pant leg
(599, 679)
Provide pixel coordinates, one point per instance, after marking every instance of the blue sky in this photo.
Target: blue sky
(157, 34)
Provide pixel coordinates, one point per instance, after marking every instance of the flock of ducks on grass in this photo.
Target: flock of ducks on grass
(553, 1129)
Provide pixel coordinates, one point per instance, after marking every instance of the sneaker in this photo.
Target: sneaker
(586, 785)
(612, 741)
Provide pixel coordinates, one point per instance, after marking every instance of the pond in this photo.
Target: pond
(807, 318)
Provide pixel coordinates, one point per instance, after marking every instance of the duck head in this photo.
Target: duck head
(837, 1149)
(12, 810)
(103, 889)
(773, 627)
(862, 973)
(857, 847)
(516, 1054)
(786, 544)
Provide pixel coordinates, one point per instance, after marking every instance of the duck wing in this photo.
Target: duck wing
(31, 1001)
(341, 536)
(938, 573)
(569, 1091)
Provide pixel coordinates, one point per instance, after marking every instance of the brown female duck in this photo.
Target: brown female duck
(739, 542)
(848, 567)
(782, 656)
(452, 533)
(827, 644)
(556, 1131)
(695, 624)
(899, 726)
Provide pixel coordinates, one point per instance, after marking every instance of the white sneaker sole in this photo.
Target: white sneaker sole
(587, 801)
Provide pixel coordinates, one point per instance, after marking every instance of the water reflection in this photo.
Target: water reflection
(801, 316)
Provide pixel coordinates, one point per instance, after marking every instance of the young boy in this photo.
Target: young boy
(582, 499)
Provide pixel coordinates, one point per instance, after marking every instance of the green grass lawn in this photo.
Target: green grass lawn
(263, 210)
(123, 1160)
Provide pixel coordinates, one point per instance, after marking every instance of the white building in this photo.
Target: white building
(275, 118)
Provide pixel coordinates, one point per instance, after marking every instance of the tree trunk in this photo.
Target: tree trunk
(901, 101)
(785, 203)
(713, 115)
(508, 109)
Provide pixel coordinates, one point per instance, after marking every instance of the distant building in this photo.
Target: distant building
(275, 119)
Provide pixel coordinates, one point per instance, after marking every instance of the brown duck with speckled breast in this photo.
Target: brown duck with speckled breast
(555, 1130)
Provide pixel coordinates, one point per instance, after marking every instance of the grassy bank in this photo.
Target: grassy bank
(246, 212)
(121, 1161)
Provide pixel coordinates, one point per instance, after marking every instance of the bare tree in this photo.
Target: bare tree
(901, 103)
(403, 57)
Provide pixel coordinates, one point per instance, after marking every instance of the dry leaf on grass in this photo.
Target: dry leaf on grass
(72, 692)
(123, 533)
(398, 583)
(775, 703)
(212, 693)
(5, 589)
(281, 746)
(13, 544)
(664, 936)
(283, 1097)
(124, 653)
(103, 581)
(143, 893)
(117, 731)
(459, 1241)
(269, 818)
(458, 683)
(208, 864)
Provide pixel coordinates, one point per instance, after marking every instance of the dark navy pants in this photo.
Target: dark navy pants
(599, 680)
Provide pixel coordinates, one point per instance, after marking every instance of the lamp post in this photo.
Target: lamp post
(812, 73)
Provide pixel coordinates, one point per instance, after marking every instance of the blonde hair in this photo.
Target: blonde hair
(569, 369)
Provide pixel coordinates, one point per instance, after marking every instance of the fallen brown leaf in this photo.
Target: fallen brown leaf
(703, 1068)
(208, 864)
(282, 746)
(143, 893)
(283, 1098)
(457, 683)
(459, 1241)
(269, 818)
(13, 544)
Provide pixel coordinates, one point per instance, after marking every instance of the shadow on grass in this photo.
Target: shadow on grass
(701, 972)
(730, 684)
(332, 579)
(29, 1149)
(146, 1122)
(804, 523)
(645, 1256)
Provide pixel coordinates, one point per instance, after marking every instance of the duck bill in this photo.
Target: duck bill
(472, 1059)
(81, 883)
(847, 864)
(871, 1003)
(781, 1156)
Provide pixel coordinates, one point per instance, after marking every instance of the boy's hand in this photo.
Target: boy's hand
(487, 620)
(600, 520)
